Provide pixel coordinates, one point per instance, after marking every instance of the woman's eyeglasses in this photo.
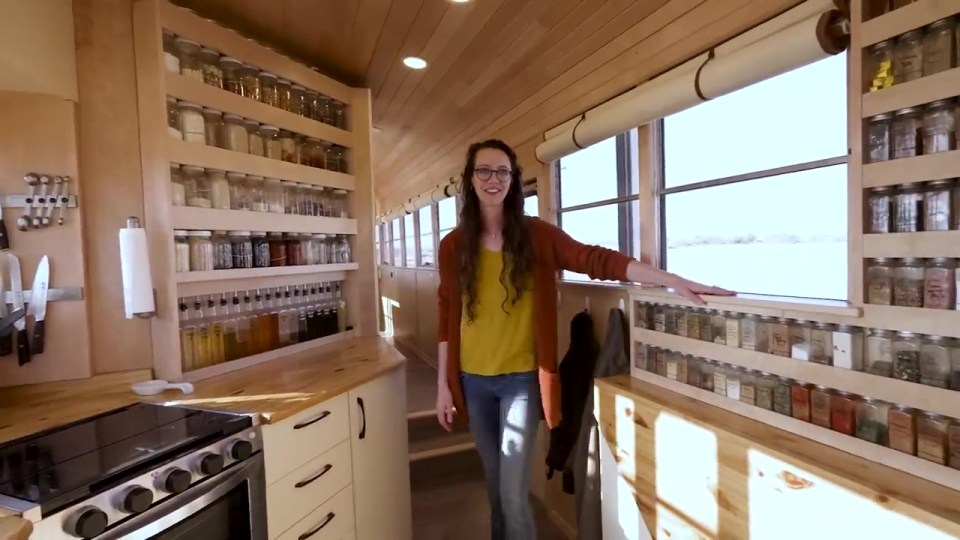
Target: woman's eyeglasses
(484, 173)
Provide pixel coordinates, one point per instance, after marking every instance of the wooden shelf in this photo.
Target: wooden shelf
(196, 91)
(931, 322)
(876, 453)
(916, 15)
(943, 85)
(249, 273)
(773, 306)
(916, 169)
(210, 157)
(922, 244)
(220, 285)
(209, 219)
(927, 398)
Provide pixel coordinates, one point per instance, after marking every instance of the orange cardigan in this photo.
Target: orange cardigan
(554, 250)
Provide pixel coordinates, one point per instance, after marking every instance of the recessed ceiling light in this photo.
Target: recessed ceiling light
(414, 62)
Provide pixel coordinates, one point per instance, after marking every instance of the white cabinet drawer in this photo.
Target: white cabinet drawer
(304, 436)
(306, 488)
(331, 521)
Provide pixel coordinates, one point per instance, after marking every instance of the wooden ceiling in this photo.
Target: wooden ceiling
(505, 68)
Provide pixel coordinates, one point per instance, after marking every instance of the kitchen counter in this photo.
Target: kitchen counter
(275, 390)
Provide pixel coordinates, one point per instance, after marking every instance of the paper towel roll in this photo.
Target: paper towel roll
(135, 270)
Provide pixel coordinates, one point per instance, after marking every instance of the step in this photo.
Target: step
(447, 469)
(427, 439)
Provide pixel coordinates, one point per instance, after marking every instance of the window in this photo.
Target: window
(377, 246)
(447, 217)
(598, 196)
(396, 255)
(755, 186)
(531, 205)
(409, 241)
(426, 235)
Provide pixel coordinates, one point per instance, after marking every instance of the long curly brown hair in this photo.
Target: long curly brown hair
(517, 245)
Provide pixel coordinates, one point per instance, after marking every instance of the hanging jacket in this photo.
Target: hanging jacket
(613, 360)
(576, 380)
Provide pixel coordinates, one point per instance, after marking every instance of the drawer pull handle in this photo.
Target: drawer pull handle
(363, 412)
(316, 529)
(306, 482)
(314, 420)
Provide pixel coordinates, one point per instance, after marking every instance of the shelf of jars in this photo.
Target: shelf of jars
(897, 172)
(188, 217)
(886, 19)
(248, 273)
(916, 245)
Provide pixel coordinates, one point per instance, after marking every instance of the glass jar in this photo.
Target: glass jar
(201, 251)
(761, 339)
(273, 194)
(748, 387)
(800, 400)
(171, 60)
(339, 160)
(250, 82)
(748, 332)
(694, 365)
(734, 381)
(326, 110)
(232, 74)
(255, 140)
(255, 190)
(346, 252)
(706, 375)
(820, 409)
(219, 189)
(294, 249)
(706, 325)
(872, 418)
(178, 191)
(261, 249)
(239, 196)
(935, 361)
(848, 347)
(879, 357)
(303, 157)
(908, 283)
(181, 251)
(955, 206)
(932, 437)
(937, 205)
(907, 214)
(938, 47)
(334, 249)
(953, 439)
(278, 249)
(765, 386)
(880, 281)
(692, 322)
(324, 248)
(235, 134)
(271, 142)
(906, 357)
(284, 95)
(189, 54)
(780, 337)
(938, 125)
(954, 364)
(242, 249)
(213, 127)
(939, 284)
(196, 186)
(191, 122)
(309, 249)
(323, 201)
(222, 251)
(878, 138)
(843, 410)
(312, 100)
(718, 321)
(210, 64)
(341, 203)
(298, 104)
(288, 147)
(289, 196)
(173, 119)
(821, 343)
(879, 204)
(732, 328)
(903, 429)
(782, 399)
(268, 89)
(880, 65)
(672, 365)
(800, 334)
(720, 379)
(908, 57)
(317, 153)
(905, 131)
(660, 361)
(339, 112)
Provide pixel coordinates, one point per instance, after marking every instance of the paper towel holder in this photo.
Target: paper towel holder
(133, 222)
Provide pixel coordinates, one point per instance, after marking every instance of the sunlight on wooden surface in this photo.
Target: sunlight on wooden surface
(687, 478)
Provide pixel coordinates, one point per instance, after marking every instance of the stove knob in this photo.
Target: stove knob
(241, 450)
(88, 523)
(211, 463)
(137, 500)
(177, 481)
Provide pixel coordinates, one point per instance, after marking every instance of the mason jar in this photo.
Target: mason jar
(880, 281)
(879, 202)
(878, 138)
(938, 127)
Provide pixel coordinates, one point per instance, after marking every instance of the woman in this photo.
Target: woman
(498, 324)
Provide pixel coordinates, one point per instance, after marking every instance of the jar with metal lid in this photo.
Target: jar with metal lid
(191, 122)
(323, 249)
(255, 142)
(309, 249)
(718, 324)
(278, 249)
(303, 158)
(879, 205)
(939, 284)
(232, 74)
(339, 111)
(938, 127)
(879, 137)
(219, 189)
(239, 196)
(242, 249)
(273, 195)
(341, 203)
(906, 357)
(800, 334)
(720, 379)
(346, 252)
(734, 381)
(289, 196)
(880, 65)
(316, 153)
(196, 186)
(907, 205)
(694, 365)
(673, 360)
(780, 338)
(338, 155)
(879, 354)
(323, 201)
(288, 147)
(782, 399)
(762, 341)
(326, 110)
(660, 362)
(932, 437)
(189, 54)
(210, 64)
(954, 346)
(905, 132)
(201, 251)
(250, 82)
(173, 119)
(235, 134)
(222, 251)
(171, 60)
(268, 89)
(843, 413)
(908, 278)
(255, 189)
(848, 347)
(706, 375)
(748, 332)
(880, 281)
(800, 400)
(820, 398)
(908, 57)
(181, 251)
(298, 95)
(872, 420)
(765, 386)
(285, 95)
(178, 191)
(937, 207)
(732, 328)
(261, 249)
(821, 343)
(938, 47)
(903, 429)
(312, 99)
(748, 386)
(935, 359)
(213, 127)
(271, 142)
(294, 249)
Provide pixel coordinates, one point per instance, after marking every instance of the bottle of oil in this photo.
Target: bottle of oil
(283, 321)
(231, 348)
(260, 325)
(312, 320)
(187, 334)
(217, 353)
(300, 299)
(331, 311)
(341, 308)
(244, 330)
(201, 349)
(272, 313)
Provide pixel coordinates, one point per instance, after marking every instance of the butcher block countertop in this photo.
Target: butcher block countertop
(276, 390)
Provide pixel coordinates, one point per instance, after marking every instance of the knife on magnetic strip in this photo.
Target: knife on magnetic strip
(38, 304)
(16, 283)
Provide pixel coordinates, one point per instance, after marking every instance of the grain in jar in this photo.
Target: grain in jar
(800, 333)
(268, 89)
(903, 429)
(720, 380)
(196, 186)
(640, 355)
(872, 420)
(289, 150)
(219, 189)
(937, 128)
(222, 251)
(298, 95)
(938, 47)
(748, 331)
(880, 281)
(800, 400)
(178, 191)
(278, 249)
(905, 133)
(239, 195)
(879, 352)
(339, 112)
(907, 208)
(271, 142)
(660, 361)
(181, 251)
(680, 316)
(670, 319)
(659, 318)
(732, 329)
(191, 122)
(255, 191)
(189, 54)
(937, 206)
(173, 119)
(821, 343)
(954, 346)
(955, 205)
(693, 324)
(734, 376)
(908, 57)
(764, 391)
(255, 141)
(672, 360)
(242, 249)
(843, 413)
(250, 82)
(213, 127)
(748, 387)
(707, 369)
(210, 64)
(820, 406)
(201, 250)
(763, 334)
(694, 365)
(782, 398)
(718, 321)
(879, 138)
(932, 437)
(908, 278)
(235, 134)
(848, 347)
(261, 249)
(879, 210)
(285, 95)
(939, 284)
(170, 59)
(273, 195)
(935, 361)
(294, 249)
(232, 77)
(906, 357)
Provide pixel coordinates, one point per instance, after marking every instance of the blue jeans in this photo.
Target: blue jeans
(504, 413)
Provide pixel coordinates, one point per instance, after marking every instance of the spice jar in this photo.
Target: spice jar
(337, 160)
(872, 418)
(938, 127)
(953, 440)
(232, 76)
(670, 320)
(189, 54)
(640, 353)
(903, 429)
(219, 189)
(235, 134)
(288, 147)
(955, 205)
(339, 111)
(325, 250)
(748, 332)
(273, 195)
(294, 249)
(780, 338)
(706, 325)
(173, 119)
(932, 437)
(680, 322)
(848, 347)
(660, 361)
(843, 408)
(800, 401)
(908, 57)
(954, 364)
(693, 324)
(905, 131)
(271, 142)
(720, 379)
(170, 59)
(178, 191)
(250, 82)
(196, 186)
(672, 359)
(820, 409)
(210, 64)
(938, 47)
(326, 110)
(239, 197)
(255, 191)
(312, 103)
(284, 95)
(879, 138)
(718, 321)
(880, 65)
(733, 375)
(261, 249)
(821, 343)
(242, 249)
(748, 387)
(201, 251)
(880, 281)
(879, 205)
(268, 89)
(181, 251)
(191, 122)
(939, 284)
(255, 141)
(782, 398)
(906, 357)
(879, 360)
(213, 127)
(908, 278)
(800, 334)
(763, 334)
(298, 104)
(694, 365)
(732, 328)
(935, 361)
(222, 251)
(908, 202)
(278, 249)
(764, 391)
(937, 205)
